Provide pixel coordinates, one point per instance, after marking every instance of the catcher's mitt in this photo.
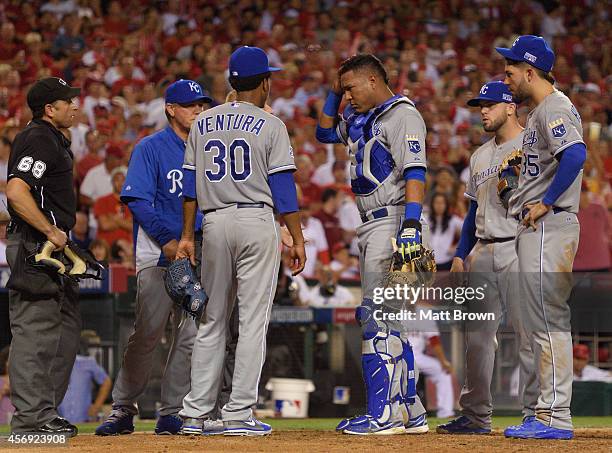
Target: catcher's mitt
(184, 288)
(508, 175)
(414, 272)
(72, 261)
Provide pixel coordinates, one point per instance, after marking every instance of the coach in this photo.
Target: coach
(43, 307)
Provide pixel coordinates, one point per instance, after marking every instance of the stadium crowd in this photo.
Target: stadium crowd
(124, 53)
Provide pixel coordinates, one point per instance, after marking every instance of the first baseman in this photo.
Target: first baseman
(152, 191)
(239, 165)
(546, 203)
(488, 237)
(386, 138)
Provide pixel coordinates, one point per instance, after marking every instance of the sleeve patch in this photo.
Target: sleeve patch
(413, 143)
(558, 128)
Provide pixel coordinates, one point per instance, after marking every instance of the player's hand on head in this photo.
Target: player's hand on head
(336, 86)
(186, 249)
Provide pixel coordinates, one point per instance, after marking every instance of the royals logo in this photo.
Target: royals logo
(176, 177)
(413, 143)
(530, 138)
(557, 128)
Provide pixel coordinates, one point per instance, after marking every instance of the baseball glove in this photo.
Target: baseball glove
(184, 288)
(414, 272)
(508, 176)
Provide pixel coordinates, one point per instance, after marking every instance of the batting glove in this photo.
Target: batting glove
(409, 240)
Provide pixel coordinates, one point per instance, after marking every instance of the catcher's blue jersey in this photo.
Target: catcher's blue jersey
(155, 174)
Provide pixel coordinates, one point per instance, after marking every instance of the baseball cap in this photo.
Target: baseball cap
(531, 49)
(114, 151)
(492, 92)
(249, 61)
(185, 91)
(581, 351)
(48, 90)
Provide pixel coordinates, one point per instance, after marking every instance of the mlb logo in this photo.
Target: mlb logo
(558, 128)
(413, 143)
(342, 395)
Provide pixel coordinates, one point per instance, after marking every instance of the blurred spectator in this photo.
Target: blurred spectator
(424, 334)
(312, 87)
(594, 245)
(78, 405)
(344, 265)
(92, 158)
(330, 202)
(100, 250)
(97, 181)
(290, 290)
(113, 217)
(317, 248)
(78, 132)
(121, 252)
(284, 105)
(445, 230)
(6, 407)
(303, 173)
(585, 372)
(328, 293)
(80, 233)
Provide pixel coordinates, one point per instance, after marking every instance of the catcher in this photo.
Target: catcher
(490, 232)
(385, 135)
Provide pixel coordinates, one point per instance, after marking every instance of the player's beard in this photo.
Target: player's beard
(521, 94)
(495, 125)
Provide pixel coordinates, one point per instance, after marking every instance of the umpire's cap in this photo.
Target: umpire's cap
(492, 92)
(249, 61)
(531, 49)
(49, 90)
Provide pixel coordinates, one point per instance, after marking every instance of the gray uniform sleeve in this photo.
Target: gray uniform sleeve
(280, 152)
(189, 162)
(561, 129)
(403, 131)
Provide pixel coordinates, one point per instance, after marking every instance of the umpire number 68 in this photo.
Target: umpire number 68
(530, 165)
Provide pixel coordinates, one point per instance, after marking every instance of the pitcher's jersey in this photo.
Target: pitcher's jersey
(551, 127)
(492, 219)
(382, 143)
(233, 148)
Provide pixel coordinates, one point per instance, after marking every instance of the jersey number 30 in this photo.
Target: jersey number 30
(239, 150)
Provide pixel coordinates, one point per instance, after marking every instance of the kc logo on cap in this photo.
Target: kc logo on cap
(492, 92)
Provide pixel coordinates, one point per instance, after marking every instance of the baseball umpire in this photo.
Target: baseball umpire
(152, 191)
(546, 203)
(488, 233)
(240, 163)
(44, 311)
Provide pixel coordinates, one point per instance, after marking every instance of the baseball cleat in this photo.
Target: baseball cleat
(531, 428)
(462, 425)
(120, 421)
(192, 427)
(250, 427)
(168, 424)
(417, 425)
(212, 427)
(366, 425)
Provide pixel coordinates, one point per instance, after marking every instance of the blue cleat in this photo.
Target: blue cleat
(417, 425)
(366, 425)
(462, 425)
(120, 421)
(250, 427)
(531, 428)
(168, 424)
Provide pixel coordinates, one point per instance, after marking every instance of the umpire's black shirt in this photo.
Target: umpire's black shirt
(41, 156)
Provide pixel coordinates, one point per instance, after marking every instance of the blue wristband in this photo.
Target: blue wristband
(332, 104)
(413, 211)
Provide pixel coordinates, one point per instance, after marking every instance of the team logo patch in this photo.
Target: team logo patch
(413, 143)
(530, 138)
(558, 128)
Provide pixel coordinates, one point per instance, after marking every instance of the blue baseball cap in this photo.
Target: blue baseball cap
(533, 50)
(492, 92)
(249, 61)
(186, 92)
